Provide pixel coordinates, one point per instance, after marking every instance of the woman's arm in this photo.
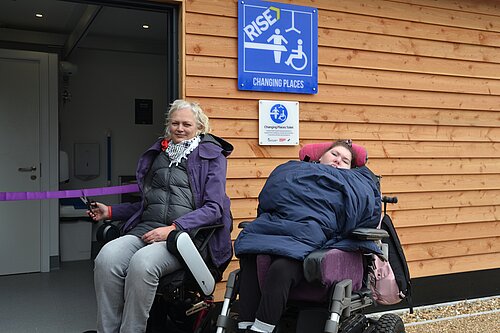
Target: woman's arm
(123, 211)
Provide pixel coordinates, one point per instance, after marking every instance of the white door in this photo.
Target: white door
(20, 221)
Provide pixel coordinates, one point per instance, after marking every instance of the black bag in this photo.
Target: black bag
(397, 260)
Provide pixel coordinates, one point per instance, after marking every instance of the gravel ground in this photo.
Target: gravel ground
(489, 323)
(473, 316)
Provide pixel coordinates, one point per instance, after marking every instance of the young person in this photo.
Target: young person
(302, 207)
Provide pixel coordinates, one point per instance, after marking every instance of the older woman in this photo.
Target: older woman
(182, 178)
(302, 207)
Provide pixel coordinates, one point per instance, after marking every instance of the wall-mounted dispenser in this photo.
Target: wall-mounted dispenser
(87, 160)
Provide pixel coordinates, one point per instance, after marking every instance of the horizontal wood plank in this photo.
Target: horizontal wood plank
(203, 24)
(439, 183)
(244, 188)
(244, 209)
(454, 265)
(451, 249)
(445, 217)
(449, 199)
(227, 8)
(252, 168)
(449, 232)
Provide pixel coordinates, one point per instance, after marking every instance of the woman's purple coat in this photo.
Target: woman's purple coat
(206, 167)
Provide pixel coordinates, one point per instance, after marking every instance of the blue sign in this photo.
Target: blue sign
(277, 47)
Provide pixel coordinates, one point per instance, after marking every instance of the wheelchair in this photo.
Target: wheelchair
(336, 290)
(184, 299)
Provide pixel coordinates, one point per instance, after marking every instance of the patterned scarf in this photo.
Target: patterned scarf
(177, 151)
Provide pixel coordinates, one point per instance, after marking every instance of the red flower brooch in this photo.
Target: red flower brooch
(164, 144)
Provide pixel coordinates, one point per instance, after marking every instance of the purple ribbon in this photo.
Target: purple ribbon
(90, 192)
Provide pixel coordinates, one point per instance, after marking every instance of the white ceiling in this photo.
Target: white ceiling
(17, 19)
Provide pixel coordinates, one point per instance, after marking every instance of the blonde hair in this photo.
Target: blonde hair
(202, 122)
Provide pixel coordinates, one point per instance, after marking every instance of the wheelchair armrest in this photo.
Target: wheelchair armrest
(369, 234)
(180, 244)
(193, 233)
(328, 266)
(212, 228)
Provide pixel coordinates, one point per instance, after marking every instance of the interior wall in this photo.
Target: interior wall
(103, 93)
(415, 81)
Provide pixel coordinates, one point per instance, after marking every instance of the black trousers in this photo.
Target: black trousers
(267, 304)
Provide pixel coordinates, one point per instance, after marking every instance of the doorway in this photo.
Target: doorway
(107, 60)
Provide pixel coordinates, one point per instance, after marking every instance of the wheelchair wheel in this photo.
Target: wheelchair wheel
(389, 323)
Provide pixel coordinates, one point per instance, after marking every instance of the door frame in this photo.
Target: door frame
(49, 150)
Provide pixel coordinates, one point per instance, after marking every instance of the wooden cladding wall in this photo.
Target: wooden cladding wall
(415, 81)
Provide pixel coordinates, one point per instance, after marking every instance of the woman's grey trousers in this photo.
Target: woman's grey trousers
(126, 276)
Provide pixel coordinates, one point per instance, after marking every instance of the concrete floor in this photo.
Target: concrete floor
(60, 301)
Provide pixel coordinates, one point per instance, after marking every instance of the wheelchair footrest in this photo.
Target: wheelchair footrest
(198, 307)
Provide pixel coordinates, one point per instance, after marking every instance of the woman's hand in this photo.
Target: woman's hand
(159, 234)
(99, 211)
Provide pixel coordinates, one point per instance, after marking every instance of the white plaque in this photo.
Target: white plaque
(278, 123)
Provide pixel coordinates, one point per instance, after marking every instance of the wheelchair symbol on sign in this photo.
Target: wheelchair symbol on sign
(297, 54)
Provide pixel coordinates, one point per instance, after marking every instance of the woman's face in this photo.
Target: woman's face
(337, 157)
(182, 125)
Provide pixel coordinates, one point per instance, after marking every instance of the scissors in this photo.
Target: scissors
(90, 203)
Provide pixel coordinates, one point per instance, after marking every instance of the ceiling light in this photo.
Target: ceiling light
(39, 15)
(145, 26)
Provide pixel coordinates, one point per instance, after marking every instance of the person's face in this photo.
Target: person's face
(182, 125)
(337, 157)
